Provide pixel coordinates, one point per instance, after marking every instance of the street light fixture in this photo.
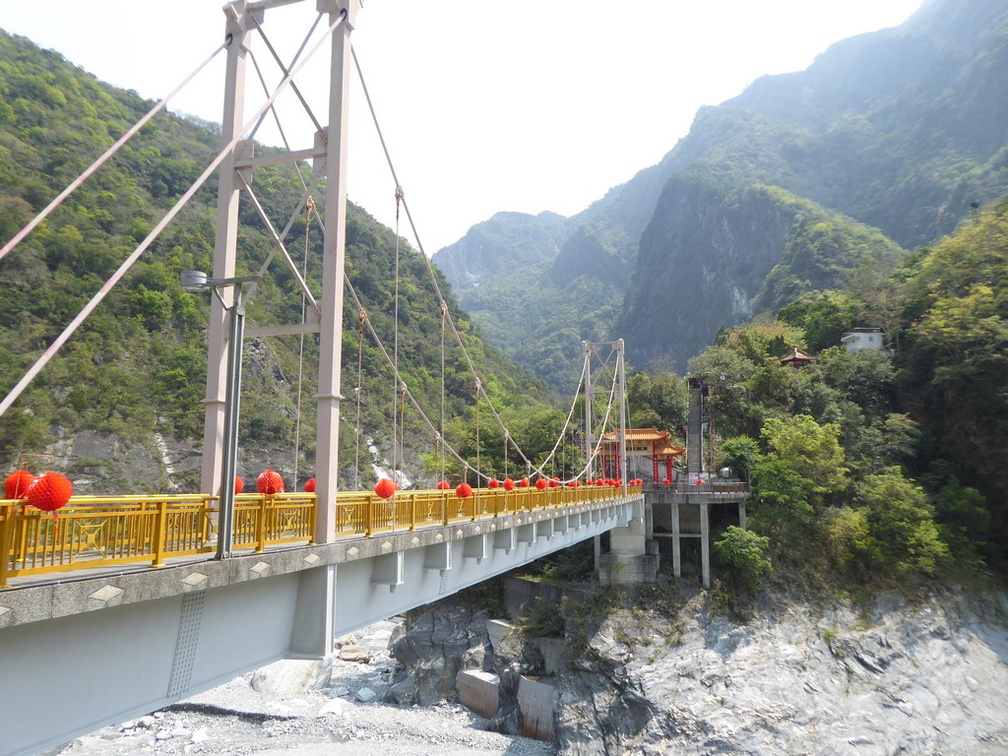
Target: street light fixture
(196, 281)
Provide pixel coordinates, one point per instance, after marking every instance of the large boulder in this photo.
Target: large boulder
(439, 644)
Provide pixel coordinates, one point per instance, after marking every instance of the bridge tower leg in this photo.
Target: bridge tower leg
(239, 21)
(333, 254)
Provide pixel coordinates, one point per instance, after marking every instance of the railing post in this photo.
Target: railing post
(160, 520)
(311, 519)
(261, 523)
(6, 533)
(368, 516)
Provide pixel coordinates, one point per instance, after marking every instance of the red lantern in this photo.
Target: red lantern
(494, 483)
(699, 481)
(385, 488)
(50, 492)
(17, 484)
(541, 484)
(270, 483)
(309, 485)
(239, 485)
(443, 485)
(554, 483)
(463, 490)
(523, 483)
(601, 482)
(509, 484)
(571, 483)
(666, 481)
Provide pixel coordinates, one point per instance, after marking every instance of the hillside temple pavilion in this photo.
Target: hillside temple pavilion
(641, 443)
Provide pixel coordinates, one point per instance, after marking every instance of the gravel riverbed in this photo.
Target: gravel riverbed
(303, 708)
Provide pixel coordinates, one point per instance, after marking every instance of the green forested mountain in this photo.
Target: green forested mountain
(138, 365)
(903, 130)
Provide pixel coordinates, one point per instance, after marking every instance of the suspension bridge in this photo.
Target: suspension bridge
(113, 606)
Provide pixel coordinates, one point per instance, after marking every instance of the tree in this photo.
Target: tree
(823, 316)
(742, 554)
(658, 400)
(812, 450)
(900, 522)
(741, 454)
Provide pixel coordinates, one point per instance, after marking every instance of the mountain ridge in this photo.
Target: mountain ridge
(902, 129)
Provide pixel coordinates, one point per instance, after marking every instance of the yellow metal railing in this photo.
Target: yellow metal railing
(98, 531)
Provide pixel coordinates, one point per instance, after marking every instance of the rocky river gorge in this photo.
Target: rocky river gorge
(928, 675)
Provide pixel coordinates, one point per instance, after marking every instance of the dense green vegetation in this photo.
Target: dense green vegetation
(138, 365)
(873, 464)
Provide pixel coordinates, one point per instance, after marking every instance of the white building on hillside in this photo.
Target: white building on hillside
(859, 339)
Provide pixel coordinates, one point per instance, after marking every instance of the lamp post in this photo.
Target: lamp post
(196, 281)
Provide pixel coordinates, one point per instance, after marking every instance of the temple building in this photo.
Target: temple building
(643, 445)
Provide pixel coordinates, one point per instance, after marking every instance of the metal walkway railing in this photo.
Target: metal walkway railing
(100, 531)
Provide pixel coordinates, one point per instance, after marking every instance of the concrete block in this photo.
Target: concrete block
(497, 630)
(552, 650)
(537, 701)
(479, 691)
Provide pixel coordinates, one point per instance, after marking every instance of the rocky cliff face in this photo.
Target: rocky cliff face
(927, 676)
(924, 678)
(715, 253)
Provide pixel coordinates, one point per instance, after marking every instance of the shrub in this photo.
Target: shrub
(742, 554)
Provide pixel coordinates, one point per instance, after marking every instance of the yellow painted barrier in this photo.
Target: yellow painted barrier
(100, 531)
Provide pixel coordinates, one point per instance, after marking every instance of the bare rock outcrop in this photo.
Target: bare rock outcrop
(437, 646)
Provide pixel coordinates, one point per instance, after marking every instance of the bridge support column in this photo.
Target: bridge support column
(628, 560)
(742, 515)
(676, 544)
(705, 543)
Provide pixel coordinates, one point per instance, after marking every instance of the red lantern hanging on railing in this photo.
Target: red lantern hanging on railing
(309, 485)
(554, 483)
(239, 485)
(49, 492)
(493, 483)
(17, 484)
(571, 483)
(541, 484)
(443, 485)
(509, 484)
(666, 481)
(385, 488)
(523, 483)
(463, 490)
(269, 482)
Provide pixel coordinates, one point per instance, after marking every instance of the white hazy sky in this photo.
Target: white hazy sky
(485, 106)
